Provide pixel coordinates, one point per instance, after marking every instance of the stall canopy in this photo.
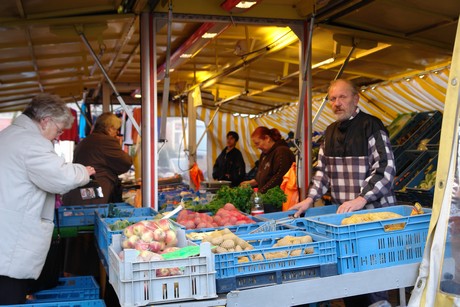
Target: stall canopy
(248, 56)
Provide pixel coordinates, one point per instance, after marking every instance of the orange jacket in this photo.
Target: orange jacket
(289, 186)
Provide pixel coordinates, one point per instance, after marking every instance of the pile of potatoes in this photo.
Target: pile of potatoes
(226, 241)
(285, 241)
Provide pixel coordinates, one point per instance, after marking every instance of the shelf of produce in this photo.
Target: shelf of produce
(318, 289)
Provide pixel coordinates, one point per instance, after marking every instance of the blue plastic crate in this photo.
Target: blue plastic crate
(231, 275)
(423, 196)
(310, 212)
(85, 303)
(237, 229)
(68, 289)
(103, 233)
(372, 245)
(71, 216)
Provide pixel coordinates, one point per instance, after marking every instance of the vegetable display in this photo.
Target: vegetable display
(225, 241)
(238, 196)
(429, 180)
(228, 215)
(275, 196)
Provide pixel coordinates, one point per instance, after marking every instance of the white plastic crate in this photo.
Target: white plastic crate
(136, 283)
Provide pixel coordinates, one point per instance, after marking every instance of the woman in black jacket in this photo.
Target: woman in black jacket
(230, 164)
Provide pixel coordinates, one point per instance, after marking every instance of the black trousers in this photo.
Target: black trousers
(12, 290)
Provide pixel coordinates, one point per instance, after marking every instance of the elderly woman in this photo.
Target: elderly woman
(102, 150)
(31, 174)
(275, 160)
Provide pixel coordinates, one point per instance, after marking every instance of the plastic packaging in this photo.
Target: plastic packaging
(257, 206)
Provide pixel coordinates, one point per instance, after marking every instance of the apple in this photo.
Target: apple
(156, 246)
(147, 236)
(159, 235)
(163, 272)
(142, 246)
(170, 238)
(128, 231)
(175, 271)
(139, 229)
(164, 224)
(132, 241)
(152, 225)
(125, 244)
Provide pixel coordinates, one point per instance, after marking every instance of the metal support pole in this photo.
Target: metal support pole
(120, 99)
(167, 79)
(304, 120)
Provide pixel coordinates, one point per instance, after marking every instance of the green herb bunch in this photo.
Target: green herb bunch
(275, 196)
(238, 196)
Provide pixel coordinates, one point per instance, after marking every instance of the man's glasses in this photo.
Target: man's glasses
(59, 130)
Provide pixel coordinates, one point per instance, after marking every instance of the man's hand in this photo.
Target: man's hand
(352, 205)
(302, 206)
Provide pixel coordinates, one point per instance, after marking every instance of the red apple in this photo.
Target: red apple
(156, 247)
(142, 246)
(159, 235)
(171, 238)
(164, 224)
(125, 244)
(163, 272)
(132, 241)
(147, 236)
(128, 231)
(139, 229)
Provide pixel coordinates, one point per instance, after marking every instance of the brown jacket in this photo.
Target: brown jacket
(104, 153)
(273, 166)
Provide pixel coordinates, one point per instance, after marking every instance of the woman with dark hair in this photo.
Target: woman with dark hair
(275, 160)
(230, 164)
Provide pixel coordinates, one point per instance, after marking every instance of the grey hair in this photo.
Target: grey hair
(105, 121)
(353, 87)
(46, 105)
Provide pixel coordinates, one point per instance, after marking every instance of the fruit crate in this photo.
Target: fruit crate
(373, 245)
(232, 274)
(103, 234)
(330, 209)
(398, 124)
(68, 289)
(421, 125)
(71, 216)
(417, 194)
(84, 303)
(411, 164)
(236, 229)
(137, 283)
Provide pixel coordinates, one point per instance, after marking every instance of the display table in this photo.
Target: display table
(318, 289)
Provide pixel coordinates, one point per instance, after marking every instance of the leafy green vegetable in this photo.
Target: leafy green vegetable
(119, 225)
(275, 197)
(238, 196)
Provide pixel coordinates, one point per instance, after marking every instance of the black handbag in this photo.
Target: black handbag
(49, 277)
